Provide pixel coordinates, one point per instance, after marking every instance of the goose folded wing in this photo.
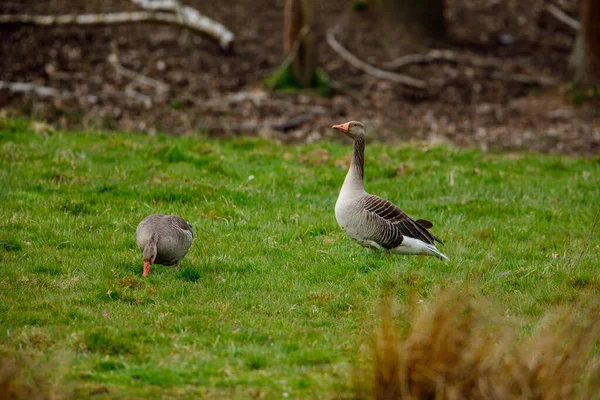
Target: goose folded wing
(181, 224)
(397, 222)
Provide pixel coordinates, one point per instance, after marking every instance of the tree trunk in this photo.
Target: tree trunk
(413, 21)
(297, 15)
(585, 57)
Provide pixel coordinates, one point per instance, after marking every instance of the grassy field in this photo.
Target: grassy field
(272, 300)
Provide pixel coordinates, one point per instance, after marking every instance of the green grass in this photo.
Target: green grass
(272, 297)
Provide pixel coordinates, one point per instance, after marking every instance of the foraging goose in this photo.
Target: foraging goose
(163, 239)
(374, 222)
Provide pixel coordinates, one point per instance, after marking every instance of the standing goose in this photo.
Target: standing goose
(374, 222)
(163, 239)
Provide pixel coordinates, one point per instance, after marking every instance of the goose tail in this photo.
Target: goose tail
(436, 253)
(416, 246)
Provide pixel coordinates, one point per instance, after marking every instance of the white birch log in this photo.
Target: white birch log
(190, 17)
(164, 11)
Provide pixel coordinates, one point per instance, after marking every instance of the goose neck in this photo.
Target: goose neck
(358, 158)
(354, 178)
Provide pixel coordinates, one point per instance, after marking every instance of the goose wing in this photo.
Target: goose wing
(180, 223)
(395, 223)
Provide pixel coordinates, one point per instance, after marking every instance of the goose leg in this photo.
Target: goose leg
(177, 267)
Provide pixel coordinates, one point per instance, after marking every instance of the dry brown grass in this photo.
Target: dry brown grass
(453, 351)
(26, 378)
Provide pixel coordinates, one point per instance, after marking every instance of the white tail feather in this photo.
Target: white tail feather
(416, 246)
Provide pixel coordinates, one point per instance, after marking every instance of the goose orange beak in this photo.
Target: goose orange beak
(147, 267)
(342, 127)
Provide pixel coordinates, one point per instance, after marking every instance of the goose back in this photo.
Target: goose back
(173, 237)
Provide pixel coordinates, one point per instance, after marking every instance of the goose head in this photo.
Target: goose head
(149, 257)
(352, 129)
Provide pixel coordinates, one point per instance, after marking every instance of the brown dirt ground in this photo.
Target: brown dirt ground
(471, 104)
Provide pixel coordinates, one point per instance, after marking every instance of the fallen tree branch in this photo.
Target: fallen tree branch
(431, 56)
(20, 87)
(443, 55)
(563, 17)
(368, 68)
(160, 87)
(190, 17)
(481, 62)
(89, 19)
(46, 91)
(167, 5)
(180, 15)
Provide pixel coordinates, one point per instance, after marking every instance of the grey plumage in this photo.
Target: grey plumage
(375, 222)
(164, 239)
